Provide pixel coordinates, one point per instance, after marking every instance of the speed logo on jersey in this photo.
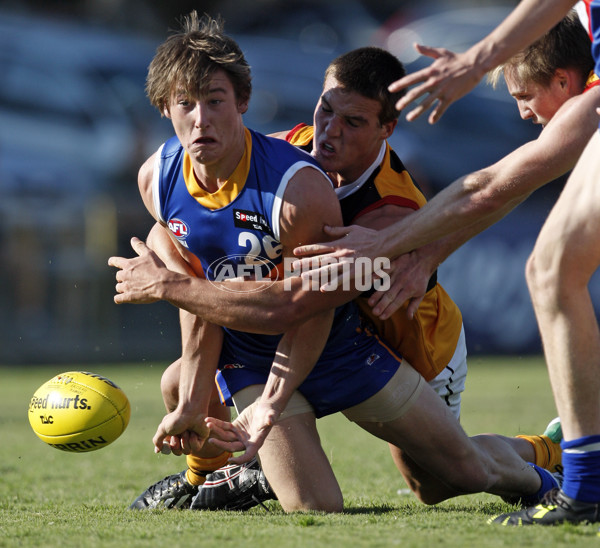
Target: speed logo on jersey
(250, 219)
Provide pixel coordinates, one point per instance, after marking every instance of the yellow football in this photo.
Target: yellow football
(79, 412)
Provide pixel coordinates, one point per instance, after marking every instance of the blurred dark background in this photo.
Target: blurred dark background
(75, 126)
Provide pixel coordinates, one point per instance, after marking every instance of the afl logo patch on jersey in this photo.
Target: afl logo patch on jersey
(179, 229)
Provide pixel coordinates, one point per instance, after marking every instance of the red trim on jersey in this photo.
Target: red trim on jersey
(391, 200)
(294, 130)
(592, 85)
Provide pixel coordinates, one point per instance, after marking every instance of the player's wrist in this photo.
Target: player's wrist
(481, 58)
(192, 409)
(171, 286)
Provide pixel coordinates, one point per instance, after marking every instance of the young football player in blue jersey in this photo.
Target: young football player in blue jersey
(224, 192)
(564, 258)
(261, 310)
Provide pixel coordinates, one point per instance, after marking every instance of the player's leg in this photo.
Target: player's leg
(177, 490)
(447, 462)
(298, 471)
(292, 457)
(566, 255)
(448, 385)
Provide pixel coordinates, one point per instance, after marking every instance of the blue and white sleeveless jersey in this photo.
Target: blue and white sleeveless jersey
(244, 230)
(241, 236)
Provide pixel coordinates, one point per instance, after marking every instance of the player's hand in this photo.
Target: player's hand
(409, 277)
(139, 278)
(247, 433)
(184, 433)
(334, 266)
(447, 79)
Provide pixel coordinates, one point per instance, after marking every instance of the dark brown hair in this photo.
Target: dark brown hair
(188, 58)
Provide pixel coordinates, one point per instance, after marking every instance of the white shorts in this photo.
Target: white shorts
(450, 382)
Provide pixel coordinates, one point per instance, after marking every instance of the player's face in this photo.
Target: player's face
(536, 102)
(209, 126)
(348, 135)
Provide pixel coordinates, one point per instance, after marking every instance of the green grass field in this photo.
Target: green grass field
(51, 498)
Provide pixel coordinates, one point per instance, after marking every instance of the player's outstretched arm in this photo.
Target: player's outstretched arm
(244, 305)
(453, 75)
(308, 202)
(184, 427)
(470, 204)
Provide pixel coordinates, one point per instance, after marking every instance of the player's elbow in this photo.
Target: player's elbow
(482, 197)
(490, 191)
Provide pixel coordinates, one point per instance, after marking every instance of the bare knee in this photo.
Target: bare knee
(298, 469)
(466, 471)
(322, 495)
(426, 492)
(318, 503)
(535, 275)
(546, 279)
(420, 482)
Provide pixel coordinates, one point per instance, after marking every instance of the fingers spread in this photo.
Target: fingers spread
(138, 246)
(116, 261)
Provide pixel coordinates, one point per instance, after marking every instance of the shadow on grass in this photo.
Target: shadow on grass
(487, 508)
(376, 509)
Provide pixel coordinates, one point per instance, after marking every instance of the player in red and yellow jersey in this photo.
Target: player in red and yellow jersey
(566, 253)
(430, 338)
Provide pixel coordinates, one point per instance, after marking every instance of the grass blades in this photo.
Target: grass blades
(50, 498)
